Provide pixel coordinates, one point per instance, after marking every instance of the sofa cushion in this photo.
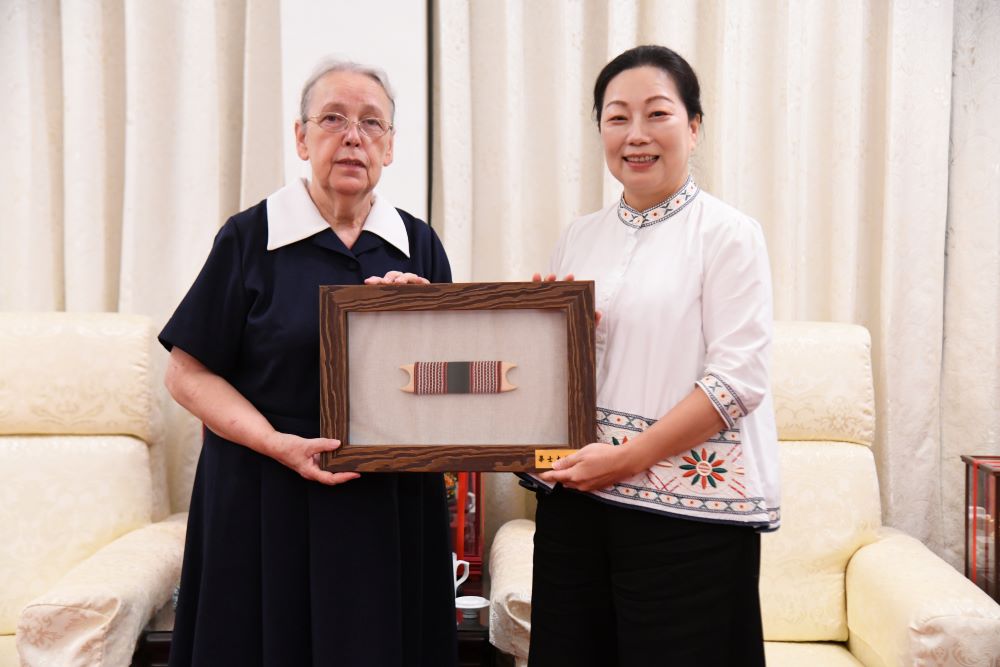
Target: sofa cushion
(95, 378)
(821, 379)
(830, 508)
(61, 499)
(823, 654)
(510, 594)
(8, 651)
(905, 606)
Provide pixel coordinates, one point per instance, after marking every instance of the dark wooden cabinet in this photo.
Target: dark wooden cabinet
(982, 537)
(474, 647)
(153, 649)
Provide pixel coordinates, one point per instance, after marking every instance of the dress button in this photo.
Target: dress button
(352, 264)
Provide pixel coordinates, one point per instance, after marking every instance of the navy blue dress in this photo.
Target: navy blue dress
(280, 571)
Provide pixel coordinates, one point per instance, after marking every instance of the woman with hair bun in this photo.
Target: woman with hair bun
(647, 543)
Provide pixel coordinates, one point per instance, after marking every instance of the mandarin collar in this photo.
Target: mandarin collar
(669, 207)
(292, 216)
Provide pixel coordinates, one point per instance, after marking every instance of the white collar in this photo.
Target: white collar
(292, 216)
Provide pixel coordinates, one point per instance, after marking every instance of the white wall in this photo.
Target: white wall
(389, 34)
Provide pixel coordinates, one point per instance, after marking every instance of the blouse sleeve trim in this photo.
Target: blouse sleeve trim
(727, 402)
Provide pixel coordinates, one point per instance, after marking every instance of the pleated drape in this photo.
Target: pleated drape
(970, 378)
(829, 122)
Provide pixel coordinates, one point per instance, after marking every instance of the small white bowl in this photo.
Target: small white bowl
(468, 602)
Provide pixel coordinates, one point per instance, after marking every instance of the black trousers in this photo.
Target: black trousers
(619, 586)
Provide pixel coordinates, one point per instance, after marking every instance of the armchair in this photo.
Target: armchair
(837, 588)
(83, 567)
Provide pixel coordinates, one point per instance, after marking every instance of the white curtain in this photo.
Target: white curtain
(129, 131)
(970, 379)
(827, 121)
(862, 135)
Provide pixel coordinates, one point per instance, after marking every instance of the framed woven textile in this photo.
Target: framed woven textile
(452, 377)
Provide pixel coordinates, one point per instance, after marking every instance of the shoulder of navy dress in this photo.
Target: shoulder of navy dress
(415, 227)
(425, 243)
(249, 225)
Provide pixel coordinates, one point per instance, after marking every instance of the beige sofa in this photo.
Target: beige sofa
(836, 587)
(83, 567)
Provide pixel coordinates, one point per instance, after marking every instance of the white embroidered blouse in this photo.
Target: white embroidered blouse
(685, 293)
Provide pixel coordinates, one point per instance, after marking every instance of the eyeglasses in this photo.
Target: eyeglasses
(371, 127)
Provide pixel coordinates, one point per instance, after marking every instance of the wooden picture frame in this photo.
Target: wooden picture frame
(570, 301)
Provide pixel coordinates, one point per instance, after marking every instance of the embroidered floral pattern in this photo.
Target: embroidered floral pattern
(704, 468)
(666, 209)
(726, 401)
(709, 482)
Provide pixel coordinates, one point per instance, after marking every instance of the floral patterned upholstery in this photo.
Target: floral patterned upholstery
(63, 498)
(84, 374)
(83, 566)
(821, 380)
(831, 509)
(837, 589)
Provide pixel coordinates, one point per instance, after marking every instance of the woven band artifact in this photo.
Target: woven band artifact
(458, 377)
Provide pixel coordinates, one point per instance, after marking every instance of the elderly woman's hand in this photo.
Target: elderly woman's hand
(302, 456)
(397, 278)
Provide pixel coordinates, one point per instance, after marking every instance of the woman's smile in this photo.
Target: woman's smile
(640, 162)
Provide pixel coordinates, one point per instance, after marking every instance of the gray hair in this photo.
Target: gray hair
(329, 65)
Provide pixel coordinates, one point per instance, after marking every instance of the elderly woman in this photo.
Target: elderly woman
(287, 564)
(647, 547)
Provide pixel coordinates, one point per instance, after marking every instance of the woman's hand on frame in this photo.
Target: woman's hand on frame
(302, 456)
(551, 278)
(596, 466)
(397, 278)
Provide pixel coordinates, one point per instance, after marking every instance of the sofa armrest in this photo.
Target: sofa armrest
(95, 613)
(510, 587)
(906, 606)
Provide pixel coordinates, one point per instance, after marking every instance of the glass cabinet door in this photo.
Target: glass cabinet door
(982, 539)
(467, 525)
